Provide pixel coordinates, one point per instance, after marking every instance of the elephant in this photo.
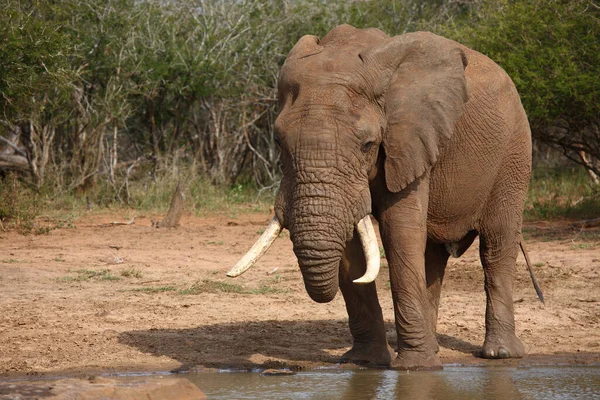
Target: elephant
(428, 137)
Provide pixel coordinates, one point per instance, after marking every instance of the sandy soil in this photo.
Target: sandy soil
(134, 298)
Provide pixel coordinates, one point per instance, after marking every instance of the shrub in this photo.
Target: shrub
(18, 205)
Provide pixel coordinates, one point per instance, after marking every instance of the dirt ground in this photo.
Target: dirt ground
(90, 298)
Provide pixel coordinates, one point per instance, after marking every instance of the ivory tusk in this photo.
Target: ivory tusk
(370, 247)
(258, 249)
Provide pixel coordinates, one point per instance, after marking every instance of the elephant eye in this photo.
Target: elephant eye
(367, 146)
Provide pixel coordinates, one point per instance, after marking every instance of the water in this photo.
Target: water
(452, 383)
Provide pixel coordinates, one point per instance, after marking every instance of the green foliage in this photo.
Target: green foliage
(172, 83)
(148, 194)
(35, 62)
(120, 99)
(131, 272)
(551, 50)
(18, 205)
(155, 289)
(84, 275)
(11, 261)
(561, 193)
(209, 286)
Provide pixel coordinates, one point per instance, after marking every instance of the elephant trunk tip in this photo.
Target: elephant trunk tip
(322, 297)
(321, 280)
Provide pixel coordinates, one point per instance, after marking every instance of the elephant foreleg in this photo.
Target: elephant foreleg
(436, 258)
(404, 236)
(364, 312)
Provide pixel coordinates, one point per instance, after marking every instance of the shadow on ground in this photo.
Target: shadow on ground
(450, 342)
(258, 343)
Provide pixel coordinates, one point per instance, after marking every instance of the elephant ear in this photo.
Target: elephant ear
(421, 80)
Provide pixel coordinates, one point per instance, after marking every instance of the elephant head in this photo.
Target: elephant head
(351, 104)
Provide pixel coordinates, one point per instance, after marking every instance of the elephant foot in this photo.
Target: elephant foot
(508, 346)
(369, 355)
(416, 361)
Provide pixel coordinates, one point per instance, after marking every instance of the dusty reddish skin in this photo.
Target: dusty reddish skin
(49, 326)
(431, 138)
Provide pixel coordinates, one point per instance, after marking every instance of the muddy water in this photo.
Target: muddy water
(449, 384)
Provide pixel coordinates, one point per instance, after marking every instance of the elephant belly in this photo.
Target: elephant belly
(459, 189)
(455, 207)
(451, 234)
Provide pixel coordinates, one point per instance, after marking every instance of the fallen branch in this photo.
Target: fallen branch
(13, 161)
(116, 223)
(13, 146)
(588, 300)
(587, 223)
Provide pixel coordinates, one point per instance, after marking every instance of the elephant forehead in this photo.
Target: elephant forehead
(325, 89)
(325, 128)
(305, 119)
(328, 67)
(335, 59)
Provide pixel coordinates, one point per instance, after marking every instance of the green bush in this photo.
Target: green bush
(115, 100)
(95, 86)
(561, 193)
(18, 205)
(551, 50)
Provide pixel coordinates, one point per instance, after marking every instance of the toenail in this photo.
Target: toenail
(503, 353)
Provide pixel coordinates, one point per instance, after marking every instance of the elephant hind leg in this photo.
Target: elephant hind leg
(499, 244)
(436, 258)
(370, 344)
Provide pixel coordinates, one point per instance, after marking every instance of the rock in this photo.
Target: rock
(104, 388)
(276, 372)
(24, 390)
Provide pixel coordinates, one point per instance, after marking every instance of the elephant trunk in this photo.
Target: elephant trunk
(318, 230)
(319, 259)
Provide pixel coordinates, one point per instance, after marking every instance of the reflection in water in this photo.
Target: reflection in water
(452, 383)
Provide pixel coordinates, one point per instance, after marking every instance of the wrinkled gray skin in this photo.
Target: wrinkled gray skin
(431, 138)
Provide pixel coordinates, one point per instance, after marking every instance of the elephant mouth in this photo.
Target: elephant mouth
(364, 228)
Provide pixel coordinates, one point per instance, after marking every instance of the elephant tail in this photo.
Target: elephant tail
(530, 269)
